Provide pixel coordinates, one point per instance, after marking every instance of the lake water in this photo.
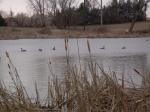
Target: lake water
(119, 55)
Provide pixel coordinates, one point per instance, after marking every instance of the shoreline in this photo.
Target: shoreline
(141, 29)
(74, 37)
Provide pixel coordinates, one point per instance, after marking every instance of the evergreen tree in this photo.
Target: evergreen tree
(2, 21)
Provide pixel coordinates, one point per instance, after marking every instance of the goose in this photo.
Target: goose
(102, 47)
(23, 50)
(40, 50)
(54, 48)
(123, 47)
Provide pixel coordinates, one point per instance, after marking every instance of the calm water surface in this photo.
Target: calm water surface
(119, 55)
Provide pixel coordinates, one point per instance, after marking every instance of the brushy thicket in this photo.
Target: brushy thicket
(76, 92)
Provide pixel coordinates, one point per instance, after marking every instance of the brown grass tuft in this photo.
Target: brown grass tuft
(45, 30)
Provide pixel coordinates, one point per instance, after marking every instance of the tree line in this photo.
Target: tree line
(65, 13)
(116, 12)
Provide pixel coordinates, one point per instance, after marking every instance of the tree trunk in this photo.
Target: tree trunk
(101, 12)
(132, 24)
(84, 17)
(43, 23)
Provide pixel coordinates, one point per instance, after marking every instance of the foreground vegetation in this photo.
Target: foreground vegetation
(80, 90)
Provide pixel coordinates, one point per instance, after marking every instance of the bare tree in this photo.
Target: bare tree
(93, 3)
(39, 7)
(63, 4)
(143, 7)
(71, 3)
(101, 12)
(47, 8)
(65, 15)
(23, 20)
(51, 6)
(99, 5)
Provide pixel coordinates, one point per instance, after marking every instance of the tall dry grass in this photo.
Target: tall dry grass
(76, 92)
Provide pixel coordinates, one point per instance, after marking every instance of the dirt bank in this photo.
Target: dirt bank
(142, 29)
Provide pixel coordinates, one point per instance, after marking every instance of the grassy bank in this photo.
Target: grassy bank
(76, 92)
(141, 29)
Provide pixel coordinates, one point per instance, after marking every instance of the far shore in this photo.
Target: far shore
(141, 29)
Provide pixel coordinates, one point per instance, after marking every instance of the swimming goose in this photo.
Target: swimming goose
(23, 50)
(123, 47)
(40, 50)
(102, 47)
(54, 48)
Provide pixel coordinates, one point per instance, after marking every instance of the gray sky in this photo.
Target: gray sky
(14, 5)
(21, 6)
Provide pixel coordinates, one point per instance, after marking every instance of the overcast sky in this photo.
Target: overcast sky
(21, 6)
